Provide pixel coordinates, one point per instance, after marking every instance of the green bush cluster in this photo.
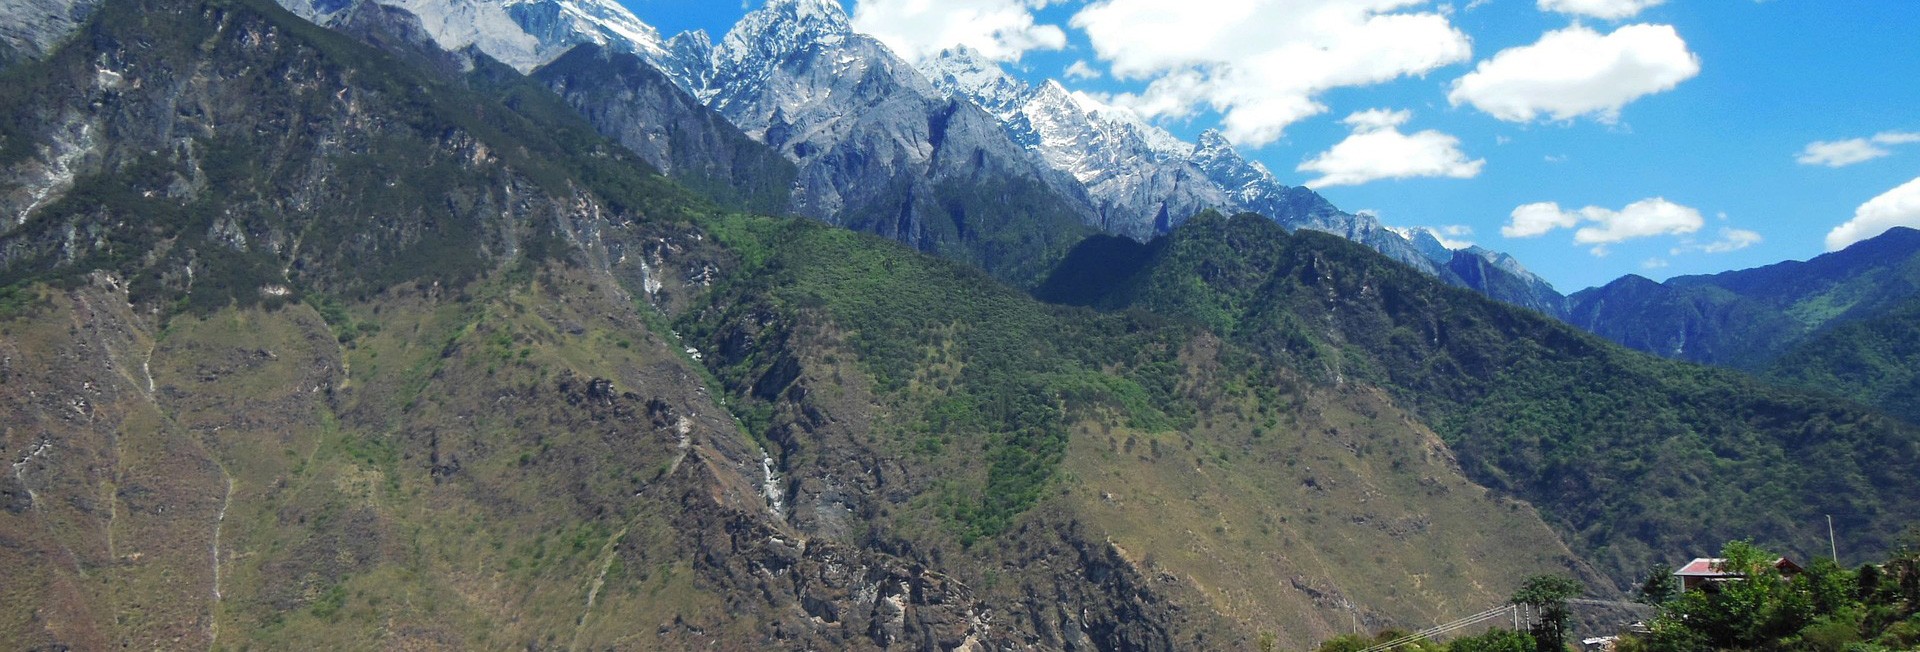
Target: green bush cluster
(1494, 640)
(1826, 608)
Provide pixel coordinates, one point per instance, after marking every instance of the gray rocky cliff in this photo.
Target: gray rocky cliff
(879, 149)
(33, 28)
(645, 110)
(1141, 179)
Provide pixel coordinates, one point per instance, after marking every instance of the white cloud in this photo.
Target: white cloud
(1534, 220)
(1604, 226)
(1842, 153)
(1602, 9)
(1451, 236)
(1377, 150)
(1263, 63)
(1001, 30)
(1730, 240)
(1082, 70)
(1578, 72)
(1897, 207)
(1653, 263)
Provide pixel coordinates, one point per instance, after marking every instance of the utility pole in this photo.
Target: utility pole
(1831, 542)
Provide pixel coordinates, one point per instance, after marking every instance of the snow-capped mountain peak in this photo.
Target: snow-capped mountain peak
(1157, 140)
(562, 24)
(962, 71)
(689, 62)
(1213, 140)
(780, 28)
(524, 34)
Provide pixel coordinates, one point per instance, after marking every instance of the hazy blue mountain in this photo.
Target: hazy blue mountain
(1748, 317)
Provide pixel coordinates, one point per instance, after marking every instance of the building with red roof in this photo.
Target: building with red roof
(1706, 570)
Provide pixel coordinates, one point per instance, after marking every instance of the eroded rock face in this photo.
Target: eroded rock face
(33, 28)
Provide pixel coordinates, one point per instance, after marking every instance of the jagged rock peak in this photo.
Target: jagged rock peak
(963, 71)
(601, 22)
(524, 34)
(1212, 140)
(689, 62)
(691, 42)
(782, 27)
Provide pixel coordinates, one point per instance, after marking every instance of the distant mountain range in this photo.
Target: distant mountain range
(1747, 318)
(922, 155)
(793, 111)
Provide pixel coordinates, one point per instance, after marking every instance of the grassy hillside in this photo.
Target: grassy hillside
(1636, 459)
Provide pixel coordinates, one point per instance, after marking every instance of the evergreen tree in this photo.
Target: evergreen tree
(1658, 588)
(1548, 595)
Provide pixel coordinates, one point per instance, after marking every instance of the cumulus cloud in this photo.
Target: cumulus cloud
(1730, 240)
(1534, 220)
(1082, 70)
(1897, 207)
(1842, 153)
(1263, 63)
(1452, 235)
(1604, 226)
(1578, 72)
(1378, 150)
(1602, 9)
(1001, 30)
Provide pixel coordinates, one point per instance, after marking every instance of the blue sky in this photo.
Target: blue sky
(1684, 150)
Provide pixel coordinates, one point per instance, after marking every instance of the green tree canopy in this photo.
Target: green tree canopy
(1548, 595)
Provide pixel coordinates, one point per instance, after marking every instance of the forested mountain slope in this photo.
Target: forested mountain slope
(1635, 459)
(1875, 361)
